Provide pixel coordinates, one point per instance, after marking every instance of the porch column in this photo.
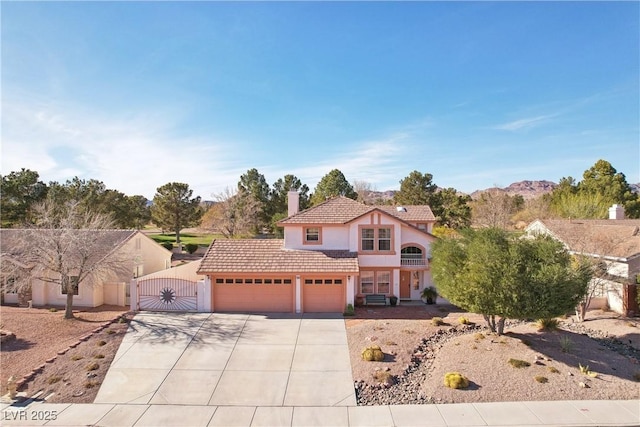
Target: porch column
(350, 290)
(204, 295)
(133, 295)
(396, 283)
(298, 295)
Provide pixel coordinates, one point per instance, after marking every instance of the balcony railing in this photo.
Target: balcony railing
(412, 260)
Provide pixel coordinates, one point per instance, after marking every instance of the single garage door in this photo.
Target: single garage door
(324, 295)
(266, 294)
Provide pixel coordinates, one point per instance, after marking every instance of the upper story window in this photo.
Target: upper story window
(368, 239)
(384, 239)
(376, 239)
(312, 236)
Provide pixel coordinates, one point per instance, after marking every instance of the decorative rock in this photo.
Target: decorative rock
(75, 344)
(583, 385)
(51, 360)
(61, 352)
(85, 338)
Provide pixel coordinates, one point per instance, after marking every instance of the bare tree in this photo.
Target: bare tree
(597, 285)
(66, 246)
(235, 214)
(365, 192)
(494, 208)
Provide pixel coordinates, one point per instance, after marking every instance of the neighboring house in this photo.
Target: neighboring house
(614, 241)
(142, 253)
(331, 254)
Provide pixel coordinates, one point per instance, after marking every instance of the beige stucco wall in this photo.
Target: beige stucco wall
(148, 254)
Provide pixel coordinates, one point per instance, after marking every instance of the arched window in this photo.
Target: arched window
(411, 255)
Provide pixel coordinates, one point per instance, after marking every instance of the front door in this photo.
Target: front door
(405, 284)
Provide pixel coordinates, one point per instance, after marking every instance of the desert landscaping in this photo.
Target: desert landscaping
(417, 355)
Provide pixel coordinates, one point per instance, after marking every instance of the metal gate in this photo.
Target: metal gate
(167, 294)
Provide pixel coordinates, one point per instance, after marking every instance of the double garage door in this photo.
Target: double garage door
(277, 294)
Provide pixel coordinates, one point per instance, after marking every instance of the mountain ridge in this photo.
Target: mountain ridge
(528, 189)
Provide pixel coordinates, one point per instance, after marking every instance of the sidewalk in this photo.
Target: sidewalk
(559, 413)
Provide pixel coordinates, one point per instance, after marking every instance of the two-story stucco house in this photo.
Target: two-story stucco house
(330, 254)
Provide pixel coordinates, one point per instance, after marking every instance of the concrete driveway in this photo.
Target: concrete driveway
(231, 360)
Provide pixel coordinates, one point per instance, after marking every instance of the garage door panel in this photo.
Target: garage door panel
(324, 296)
(245, 297)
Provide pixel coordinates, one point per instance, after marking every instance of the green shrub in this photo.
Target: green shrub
(547, 324)
(111, 332)
(349, 311)
(373, 353)
(553, 370)
(53, 309)
(99, 356)
(636, 376)
(76, 357)
(541, 379)
(463, 320)
(437, 321)
(91, 384)
(168, 245)
(516, 363)
(191, 247)
(455, 380)
(479, 336)
(101, 343)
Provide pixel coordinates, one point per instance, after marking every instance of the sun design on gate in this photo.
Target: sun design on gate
(167, 296)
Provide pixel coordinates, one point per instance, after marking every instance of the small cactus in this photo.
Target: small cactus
(373, 353)
(455, 380)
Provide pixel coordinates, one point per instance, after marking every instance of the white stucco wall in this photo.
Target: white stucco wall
(333, 237)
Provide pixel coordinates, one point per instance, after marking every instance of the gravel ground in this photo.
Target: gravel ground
(418, 354)
(40, 334)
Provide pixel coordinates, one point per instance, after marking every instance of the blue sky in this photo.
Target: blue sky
(478, 94)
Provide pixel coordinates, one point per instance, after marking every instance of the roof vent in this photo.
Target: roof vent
(401, 209)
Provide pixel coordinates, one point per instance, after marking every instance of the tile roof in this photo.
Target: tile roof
(341, 210)
(411, 213)
(270, 256)
(618, 238)
(338, 210)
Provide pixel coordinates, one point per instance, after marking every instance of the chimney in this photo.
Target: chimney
(293, 203)
(616, 212)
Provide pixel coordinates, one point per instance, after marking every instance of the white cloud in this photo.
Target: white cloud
(524, 124)
(134, 154)
(377, 162)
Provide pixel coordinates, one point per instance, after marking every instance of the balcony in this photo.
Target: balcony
(412, 260)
